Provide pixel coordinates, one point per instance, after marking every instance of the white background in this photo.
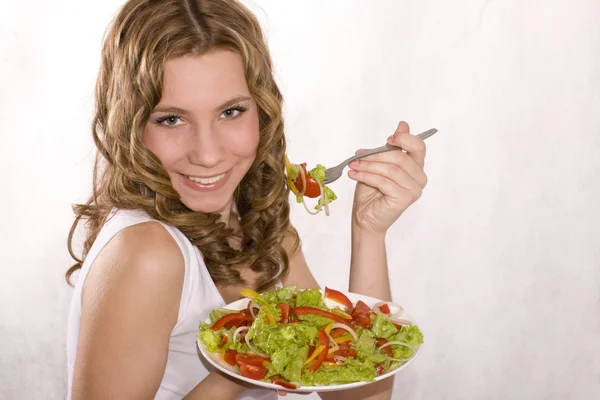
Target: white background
(499, 260)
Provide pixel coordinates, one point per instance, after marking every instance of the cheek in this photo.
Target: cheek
(245, 141)
(157, 145)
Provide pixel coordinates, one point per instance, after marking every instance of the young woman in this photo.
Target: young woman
(190, 202)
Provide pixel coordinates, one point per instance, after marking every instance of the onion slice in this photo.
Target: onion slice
(393, 307)
(303, 179)
(237, 332)
(399, 344)
(346, 327)
(252, 307)
(252, 349)
(401, 321)
(323, 199)
(309, 211)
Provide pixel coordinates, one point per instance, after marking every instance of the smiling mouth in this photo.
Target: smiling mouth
(205, 181)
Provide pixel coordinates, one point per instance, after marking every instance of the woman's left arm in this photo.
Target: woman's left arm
(388, 183)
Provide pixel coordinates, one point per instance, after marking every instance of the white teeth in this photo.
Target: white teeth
(205, 181)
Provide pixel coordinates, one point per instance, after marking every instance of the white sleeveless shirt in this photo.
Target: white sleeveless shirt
(185, 366)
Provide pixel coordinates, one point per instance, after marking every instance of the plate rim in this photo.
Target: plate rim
(241, 303)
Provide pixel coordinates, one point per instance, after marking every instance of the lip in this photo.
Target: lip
(205, 188)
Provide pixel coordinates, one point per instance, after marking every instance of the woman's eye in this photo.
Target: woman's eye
(171, 120)
(232, 112)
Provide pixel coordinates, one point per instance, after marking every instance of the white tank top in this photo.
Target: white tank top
(185, 366)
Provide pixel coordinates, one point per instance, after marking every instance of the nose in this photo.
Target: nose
(206, 148)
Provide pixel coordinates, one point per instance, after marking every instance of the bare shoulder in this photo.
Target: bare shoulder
(146, 249)
(130, 304)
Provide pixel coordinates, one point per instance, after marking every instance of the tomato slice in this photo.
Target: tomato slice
(253, 372)
(230, 357)
(360, 305)
(345, 351)
(285, 312)
(278, 380)
(363, 321)
(398, 326)
(251, 359)
(312, 187)
(303, 310)
(384, 309)
(380, 342)
(378, 369)
(339, 297)
(228, 321)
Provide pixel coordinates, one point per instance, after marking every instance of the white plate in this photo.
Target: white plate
(215, 358)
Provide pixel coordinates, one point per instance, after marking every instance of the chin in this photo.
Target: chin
(206, 206)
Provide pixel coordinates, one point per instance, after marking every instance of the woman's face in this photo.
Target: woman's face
(205, 129)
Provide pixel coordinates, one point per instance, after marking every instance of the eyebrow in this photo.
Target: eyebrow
(177, 110)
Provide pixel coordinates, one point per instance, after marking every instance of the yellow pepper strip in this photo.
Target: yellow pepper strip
(343, 339)
(270, 318)
(249, 293)
(288, 167)
(331, 364)
(315, 353)
(340, 313)
(223, 353)
(328, 328)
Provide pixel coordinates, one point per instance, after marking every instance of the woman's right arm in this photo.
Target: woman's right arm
(130, 303)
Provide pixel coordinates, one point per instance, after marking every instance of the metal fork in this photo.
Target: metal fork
(332, 174)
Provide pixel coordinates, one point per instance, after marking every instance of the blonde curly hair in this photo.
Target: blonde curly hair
(143, 36)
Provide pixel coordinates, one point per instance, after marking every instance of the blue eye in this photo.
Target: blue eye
(233, 112)
(169, 120)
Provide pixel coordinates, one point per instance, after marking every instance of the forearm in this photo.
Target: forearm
(368, 265)
(216, 386)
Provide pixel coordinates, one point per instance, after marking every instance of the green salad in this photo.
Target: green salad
(290, 337)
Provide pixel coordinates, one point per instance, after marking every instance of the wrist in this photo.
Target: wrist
(361, 236)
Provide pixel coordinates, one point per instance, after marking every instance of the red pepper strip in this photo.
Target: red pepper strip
(339, 297)
(233, 317)
(223, 341)
(285, 312)
(337, 332)
(378, 369)
(360, 305)
(303, 310)
(280, 381)
(324, 340)
(398, 326)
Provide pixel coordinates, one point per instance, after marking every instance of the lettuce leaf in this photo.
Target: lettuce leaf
(209, 337)
(311, 298)
(382, 327)
(409, 334)
(366, 349)
(351, 371)
(281, 295)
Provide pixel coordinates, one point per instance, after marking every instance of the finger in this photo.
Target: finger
(391, 172)
(413, 145)
(403, 127)
(282, 393)
(395, 158)
(386, 186)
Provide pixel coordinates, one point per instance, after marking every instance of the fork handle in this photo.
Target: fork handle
(386, 147)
